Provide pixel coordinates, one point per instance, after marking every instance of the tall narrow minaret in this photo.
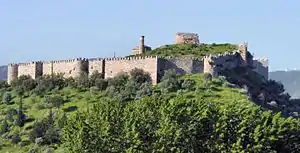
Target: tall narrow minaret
(142, 45)
(243, 48)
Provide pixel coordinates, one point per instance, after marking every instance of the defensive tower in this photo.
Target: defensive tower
(12, 72)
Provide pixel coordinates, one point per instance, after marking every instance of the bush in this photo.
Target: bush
(101, 84)
(170, 81)
(54, 100)
(3, 84)
(82, 81)
(15, 138)
(46, 130)
(25, 81)
(145, 90)
(4, 127)
(7, 97)
(188, 84)
(95, 76)
(139, 76)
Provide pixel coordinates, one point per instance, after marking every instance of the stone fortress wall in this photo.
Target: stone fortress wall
(154, 65)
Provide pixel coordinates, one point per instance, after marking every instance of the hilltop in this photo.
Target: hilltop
(195, 50)
(208, 113)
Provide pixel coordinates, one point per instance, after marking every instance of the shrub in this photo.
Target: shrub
(170, 81)
(15, 138)
(4, 127)
(145, 90)
(54, 100)
(139, 76)
(95, 76)
(101, 84)
(188, 84)
(25, 81)
(3, 84)
(82, 81)
(7, 97)
(44, 129)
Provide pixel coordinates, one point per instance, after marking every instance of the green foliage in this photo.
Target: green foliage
(188, 84)
(170, 81)
(3, 84)
(46, 130)
(25, 81)
(47, 83)
(223, 121)
(200, 50)
(139, 76)
(83, 80)
(7, 97)
(94, 77)
(4, 127)
(54, 100)
(128, 114)
(101, 84)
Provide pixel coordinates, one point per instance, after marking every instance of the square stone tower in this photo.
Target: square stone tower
(187, 38)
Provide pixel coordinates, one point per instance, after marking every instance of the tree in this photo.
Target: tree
(101, 84)
(188, 84)
(94, 77)
(21, 116)
(139, 76)
(54, 100)
(25, 81)
(170, 81)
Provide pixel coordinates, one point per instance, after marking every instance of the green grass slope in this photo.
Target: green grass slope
(171, 119)
(199, 51)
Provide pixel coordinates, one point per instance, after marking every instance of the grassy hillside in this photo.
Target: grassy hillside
(193, 113)
(200, 50)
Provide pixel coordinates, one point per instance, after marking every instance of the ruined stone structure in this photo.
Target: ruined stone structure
(154, 65)
(141, 48)
(187, 38)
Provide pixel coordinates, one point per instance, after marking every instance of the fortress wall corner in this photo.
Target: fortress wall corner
(115, 66)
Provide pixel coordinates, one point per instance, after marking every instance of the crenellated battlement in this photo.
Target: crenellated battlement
(154, 65)
(129, 58)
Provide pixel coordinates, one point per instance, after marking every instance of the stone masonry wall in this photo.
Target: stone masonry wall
(34, 69)
(114, 66)
(96, 64)
(70, 68)
(182, 65)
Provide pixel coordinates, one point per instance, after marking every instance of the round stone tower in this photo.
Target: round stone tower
(142, 45)
(12, 72)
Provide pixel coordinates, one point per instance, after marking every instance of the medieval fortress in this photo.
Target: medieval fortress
(154, 65)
